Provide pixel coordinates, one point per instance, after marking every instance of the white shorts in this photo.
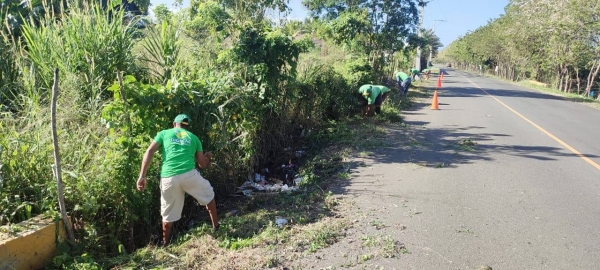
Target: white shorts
(173, 189)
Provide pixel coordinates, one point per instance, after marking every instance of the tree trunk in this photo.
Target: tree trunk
(589, 84)
(578, 81)
(567, 75)
(559, 79)
(592, 77)
(57, 171)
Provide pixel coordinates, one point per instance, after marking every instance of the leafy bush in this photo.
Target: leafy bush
(248, 104)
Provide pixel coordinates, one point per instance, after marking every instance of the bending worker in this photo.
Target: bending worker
(414, 73)
(374, 95)
(403, 82)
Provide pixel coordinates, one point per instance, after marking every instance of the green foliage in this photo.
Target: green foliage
(269, 54)
(89, 42)
(348, 25)
(359, 72)
(252, 90)
(374, 27)
(142, 5)
(560, 46)
(162, 47)
(82, 262)
(249, 11)
(208, 18)
(9, 85)
(162, 13)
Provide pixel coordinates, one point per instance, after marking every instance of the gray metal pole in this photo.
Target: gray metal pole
(431, 47)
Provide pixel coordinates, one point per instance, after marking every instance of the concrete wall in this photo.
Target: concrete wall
(33, 247)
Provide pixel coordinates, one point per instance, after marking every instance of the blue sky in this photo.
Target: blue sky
(461, 16)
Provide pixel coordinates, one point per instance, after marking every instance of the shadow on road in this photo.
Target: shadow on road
(413, 142)
(498, 89)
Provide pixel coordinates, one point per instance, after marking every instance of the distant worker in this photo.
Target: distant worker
(414, 74)
(180, 151)
(404, 82)
(427, 73)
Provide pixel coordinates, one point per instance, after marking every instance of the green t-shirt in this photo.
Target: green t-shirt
(402, 76)
(178, 148)
(364, 88)
(414, 71)
(382, 89)
(374, 92)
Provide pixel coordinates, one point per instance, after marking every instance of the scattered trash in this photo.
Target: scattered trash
(299, 180)
(249, 188)
(280, 221)
(276, 179)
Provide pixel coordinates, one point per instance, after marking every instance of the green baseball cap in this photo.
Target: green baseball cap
(182, 119)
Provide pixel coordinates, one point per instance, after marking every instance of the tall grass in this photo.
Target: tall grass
(90, 43)
(162, 48)
(257, 101)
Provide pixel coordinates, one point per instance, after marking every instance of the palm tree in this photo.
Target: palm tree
(432, 43)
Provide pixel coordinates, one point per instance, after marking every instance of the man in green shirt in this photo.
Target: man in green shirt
(369, 94)
(404, 82)
(374, 95)
(181, 151)
(414, 73)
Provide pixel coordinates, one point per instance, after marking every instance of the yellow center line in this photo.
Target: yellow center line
(587, 159)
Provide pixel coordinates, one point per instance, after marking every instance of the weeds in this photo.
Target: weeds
(251, 83)
(467, 145)
(384, 246)
(377, 224)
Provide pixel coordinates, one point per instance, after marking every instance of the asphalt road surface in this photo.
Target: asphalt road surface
(500, 176)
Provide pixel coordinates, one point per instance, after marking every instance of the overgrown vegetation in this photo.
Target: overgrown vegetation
(256, 93)
(555, 42)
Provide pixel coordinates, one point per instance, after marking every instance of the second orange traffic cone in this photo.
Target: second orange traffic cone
(439, 83)
(434, 102)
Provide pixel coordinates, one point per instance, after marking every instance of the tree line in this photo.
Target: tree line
(556, 42)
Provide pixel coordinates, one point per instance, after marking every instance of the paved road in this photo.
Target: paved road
(521, 197)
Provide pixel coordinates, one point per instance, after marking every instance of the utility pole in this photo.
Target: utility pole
(430, 46)
(420, 33)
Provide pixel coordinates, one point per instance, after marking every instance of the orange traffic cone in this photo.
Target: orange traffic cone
(434, 102)
(439, 83)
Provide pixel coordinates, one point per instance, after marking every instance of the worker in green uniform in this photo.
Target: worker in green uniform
(404, 82)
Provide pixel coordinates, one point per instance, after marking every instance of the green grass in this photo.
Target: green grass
(594, 103)
(383, 246)
(377, 224)
(366, 257)
(251, 239)
(570, 96)
(467, 145)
